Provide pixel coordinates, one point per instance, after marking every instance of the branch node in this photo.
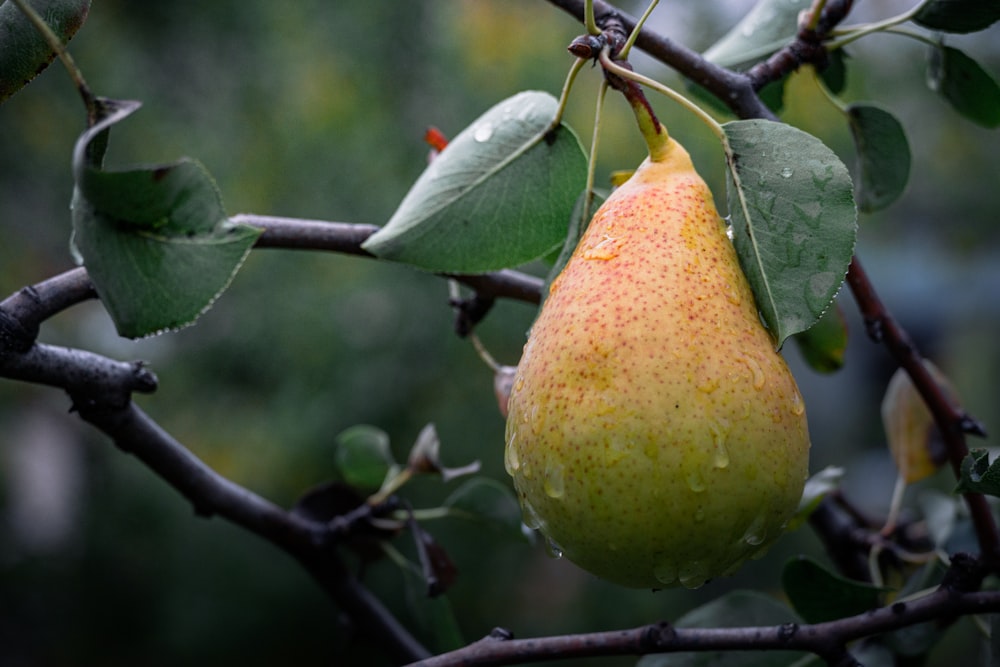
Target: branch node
(786, 631)
(658, 635)
(500, 634)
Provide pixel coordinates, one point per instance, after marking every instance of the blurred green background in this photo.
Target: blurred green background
(317, 110)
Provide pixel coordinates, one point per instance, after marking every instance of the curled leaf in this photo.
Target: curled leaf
(155, 240)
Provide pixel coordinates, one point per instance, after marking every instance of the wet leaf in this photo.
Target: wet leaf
(883, 154)
(735, 609)
(820, 595)
(24, 53)
(960, 16)
(824, 344)
(500, 194)
(794, 221)
(909, 426)
(155, 240)
(767, 27)
(363, 456)
(970, 89)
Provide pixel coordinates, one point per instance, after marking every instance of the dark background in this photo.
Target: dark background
(317, 110)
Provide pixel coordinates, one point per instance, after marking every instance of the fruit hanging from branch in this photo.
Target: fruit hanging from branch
(654, 434)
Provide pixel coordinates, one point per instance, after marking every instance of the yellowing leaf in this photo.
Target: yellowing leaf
(909, 426)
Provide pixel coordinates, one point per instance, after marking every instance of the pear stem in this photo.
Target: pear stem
(624, 73)
(653, 131)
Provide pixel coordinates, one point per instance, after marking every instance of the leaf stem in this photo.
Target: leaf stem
(849, 34)
(57, 46)
(623, 54)
(588, 18)
(815, 13)
(588, 197)
(564, 95)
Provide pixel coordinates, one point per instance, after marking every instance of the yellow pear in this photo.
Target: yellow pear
(654, 435)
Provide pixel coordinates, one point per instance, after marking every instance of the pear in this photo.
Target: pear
(654, 434)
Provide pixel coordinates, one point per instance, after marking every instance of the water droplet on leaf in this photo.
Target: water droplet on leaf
(483, 133)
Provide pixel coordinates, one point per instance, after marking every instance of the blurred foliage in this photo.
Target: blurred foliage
(317, 109)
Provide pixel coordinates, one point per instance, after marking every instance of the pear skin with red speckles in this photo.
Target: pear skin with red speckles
(654, 435)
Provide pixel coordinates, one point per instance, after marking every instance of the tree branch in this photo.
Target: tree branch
(211, 494)
(951, 420)
(342, 237)
(733, 89)
(826, 640)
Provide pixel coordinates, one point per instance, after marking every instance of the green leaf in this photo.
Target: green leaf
(24, 53)
(819, 595)
(969, 88)
(499, 195)
(155, 240)
(794, 220)
(823, 345)
(979, 475)
(487, 500)
(363, 456)
(735, 609)
(883, 153)
(958, 15)
(767, 27)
